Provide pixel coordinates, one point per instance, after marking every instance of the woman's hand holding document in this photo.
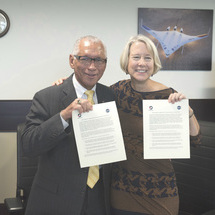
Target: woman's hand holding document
(166, 129)
(98, 135)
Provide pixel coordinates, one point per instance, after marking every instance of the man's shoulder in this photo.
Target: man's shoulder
(56, 89)
(104, 93)
(48, 90)
(103, 88)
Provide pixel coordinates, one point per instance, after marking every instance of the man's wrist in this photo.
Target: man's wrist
(64, 122)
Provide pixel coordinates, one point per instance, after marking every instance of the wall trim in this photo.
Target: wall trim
(13, 112)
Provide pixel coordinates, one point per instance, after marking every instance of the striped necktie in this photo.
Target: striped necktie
(93, 174)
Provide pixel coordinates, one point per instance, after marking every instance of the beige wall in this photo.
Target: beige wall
(8, 161)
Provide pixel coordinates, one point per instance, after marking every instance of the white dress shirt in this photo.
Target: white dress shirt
(80, 90)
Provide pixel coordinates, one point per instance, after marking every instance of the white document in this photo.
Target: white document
(166, 129)
(98, 135)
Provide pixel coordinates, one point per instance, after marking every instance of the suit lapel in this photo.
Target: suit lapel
(100, 94)
(68, 94)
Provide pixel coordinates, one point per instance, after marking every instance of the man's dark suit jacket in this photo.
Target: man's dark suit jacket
(60, 184)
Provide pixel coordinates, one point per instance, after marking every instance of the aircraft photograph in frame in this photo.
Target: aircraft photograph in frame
(183, 37)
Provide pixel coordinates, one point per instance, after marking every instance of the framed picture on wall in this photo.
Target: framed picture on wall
(183, 36)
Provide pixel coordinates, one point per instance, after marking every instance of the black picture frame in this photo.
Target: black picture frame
(4, 23)
(192, 22)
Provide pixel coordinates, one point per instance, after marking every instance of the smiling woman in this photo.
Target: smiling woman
(143, 186)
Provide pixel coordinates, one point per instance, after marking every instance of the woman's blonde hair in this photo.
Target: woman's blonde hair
(151, 48)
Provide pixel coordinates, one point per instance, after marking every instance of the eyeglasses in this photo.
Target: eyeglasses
(86, 61)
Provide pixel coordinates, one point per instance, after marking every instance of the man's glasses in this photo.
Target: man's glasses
(86, 61)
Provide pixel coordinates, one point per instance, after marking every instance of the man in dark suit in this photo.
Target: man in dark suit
(60, 185)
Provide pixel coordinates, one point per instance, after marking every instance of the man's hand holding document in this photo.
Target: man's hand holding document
(166, 129)
(98, 135)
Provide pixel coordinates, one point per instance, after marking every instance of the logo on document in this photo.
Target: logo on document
(150, 107)
(179, 107)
